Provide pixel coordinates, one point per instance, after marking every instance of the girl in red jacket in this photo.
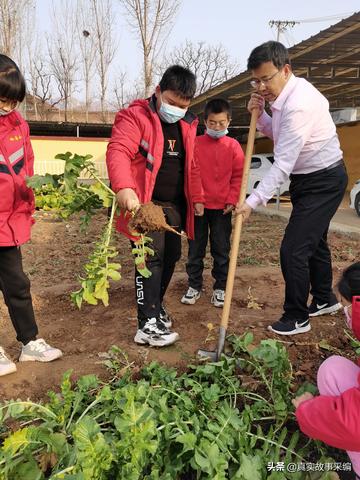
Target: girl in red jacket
(16, 208)
(334, 416)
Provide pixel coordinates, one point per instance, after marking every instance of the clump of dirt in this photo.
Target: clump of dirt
(150, 218)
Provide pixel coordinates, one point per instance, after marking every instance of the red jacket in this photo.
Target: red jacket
(135, 152)
(221, 166)
(16, 163)
(335, 420)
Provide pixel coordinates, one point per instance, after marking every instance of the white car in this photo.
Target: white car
(355, 197)
(260, 165)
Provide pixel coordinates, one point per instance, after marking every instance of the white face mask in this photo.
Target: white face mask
(6, 112)
(216, 133)
(170, 113)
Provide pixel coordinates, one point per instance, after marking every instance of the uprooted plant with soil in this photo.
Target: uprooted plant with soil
(150, 218)
(66, 195)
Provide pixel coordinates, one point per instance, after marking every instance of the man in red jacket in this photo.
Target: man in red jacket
(150, 157)
(221, 163)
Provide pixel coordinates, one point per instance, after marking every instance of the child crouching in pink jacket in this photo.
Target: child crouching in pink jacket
(334, 416)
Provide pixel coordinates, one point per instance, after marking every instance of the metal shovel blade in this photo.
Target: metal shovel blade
(211, 356)
(214, 356)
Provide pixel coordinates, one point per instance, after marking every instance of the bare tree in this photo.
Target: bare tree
(152, 21)
(212, 65)
(36, 75)
(86, 32)
(123, 96)
(28, 52)
(120, 91)
(62, 50)
(40, 80)
(13, 21)
(10, 23)
(105, 44)
(42, 90)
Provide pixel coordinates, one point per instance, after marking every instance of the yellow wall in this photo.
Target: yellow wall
(45, 149)
(349, 136)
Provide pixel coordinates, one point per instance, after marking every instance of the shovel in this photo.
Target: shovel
(215, 355)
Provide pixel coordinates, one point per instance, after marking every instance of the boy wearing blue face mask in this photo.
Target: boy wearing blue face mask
(151, 157)
(221, 163)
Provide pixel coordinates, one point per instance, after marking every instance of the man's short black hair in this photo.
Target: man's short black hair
(217, 105)
(179, 80)
(274, 52)
(12, 83)
(349, 283)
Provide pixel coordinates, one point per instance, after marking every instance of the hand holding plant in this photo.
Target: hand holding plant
(65, 195)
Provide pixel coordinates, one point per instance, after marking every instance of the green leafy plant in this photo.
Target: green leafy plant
(202, 424)
(354, 342)
(141, 251)
(99, 269)
(65, 195)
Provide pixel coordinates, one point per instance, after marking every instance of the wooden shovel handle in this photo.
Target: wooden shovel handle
(238, 223)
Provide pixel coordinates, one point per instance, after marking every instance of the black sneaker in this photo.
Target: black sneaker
(165, 318)
(290, 327)
(154, 333)
(320, 308)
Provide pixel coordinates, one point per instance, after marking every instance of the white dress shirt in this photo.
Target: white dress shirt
(304, 135)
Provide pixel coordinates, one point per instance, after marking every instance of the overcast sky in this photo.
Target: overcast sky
(239, 25)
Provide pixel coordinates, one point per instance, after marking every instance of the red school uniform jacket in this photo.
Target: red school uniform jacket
(16, 163)
(335, 420)
(221, 165)
(135, 152)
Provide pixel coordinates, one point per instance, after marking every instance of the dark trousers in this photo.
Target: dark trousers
(167, 251)
(15, 287)
(305, 255)
(219, 226)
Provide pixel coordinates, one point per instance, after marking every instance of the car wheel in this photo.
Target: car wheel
(357, 204)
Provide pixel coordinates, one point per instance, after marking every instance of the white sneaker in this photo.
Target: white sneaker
(39, 351)
(6, 365)
(190, 296)
(218, 298)
(155, 334)
(316, 310)
(164, 317)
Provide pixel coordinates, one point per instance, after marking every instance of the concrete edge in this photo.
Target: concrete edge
(334, 226)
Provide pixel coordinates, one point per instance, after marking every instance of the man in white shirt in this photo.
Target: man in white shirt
(306, 150)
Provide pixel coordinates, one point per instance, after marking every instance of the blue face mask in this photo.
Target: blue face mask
(216, 133)
(170, 113)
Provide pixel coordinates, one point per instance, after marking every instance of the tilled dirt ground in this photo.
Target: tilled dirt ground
(55, 256)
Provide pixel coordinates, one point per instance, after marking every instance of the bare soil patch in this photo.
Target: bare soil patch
(55, 256)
